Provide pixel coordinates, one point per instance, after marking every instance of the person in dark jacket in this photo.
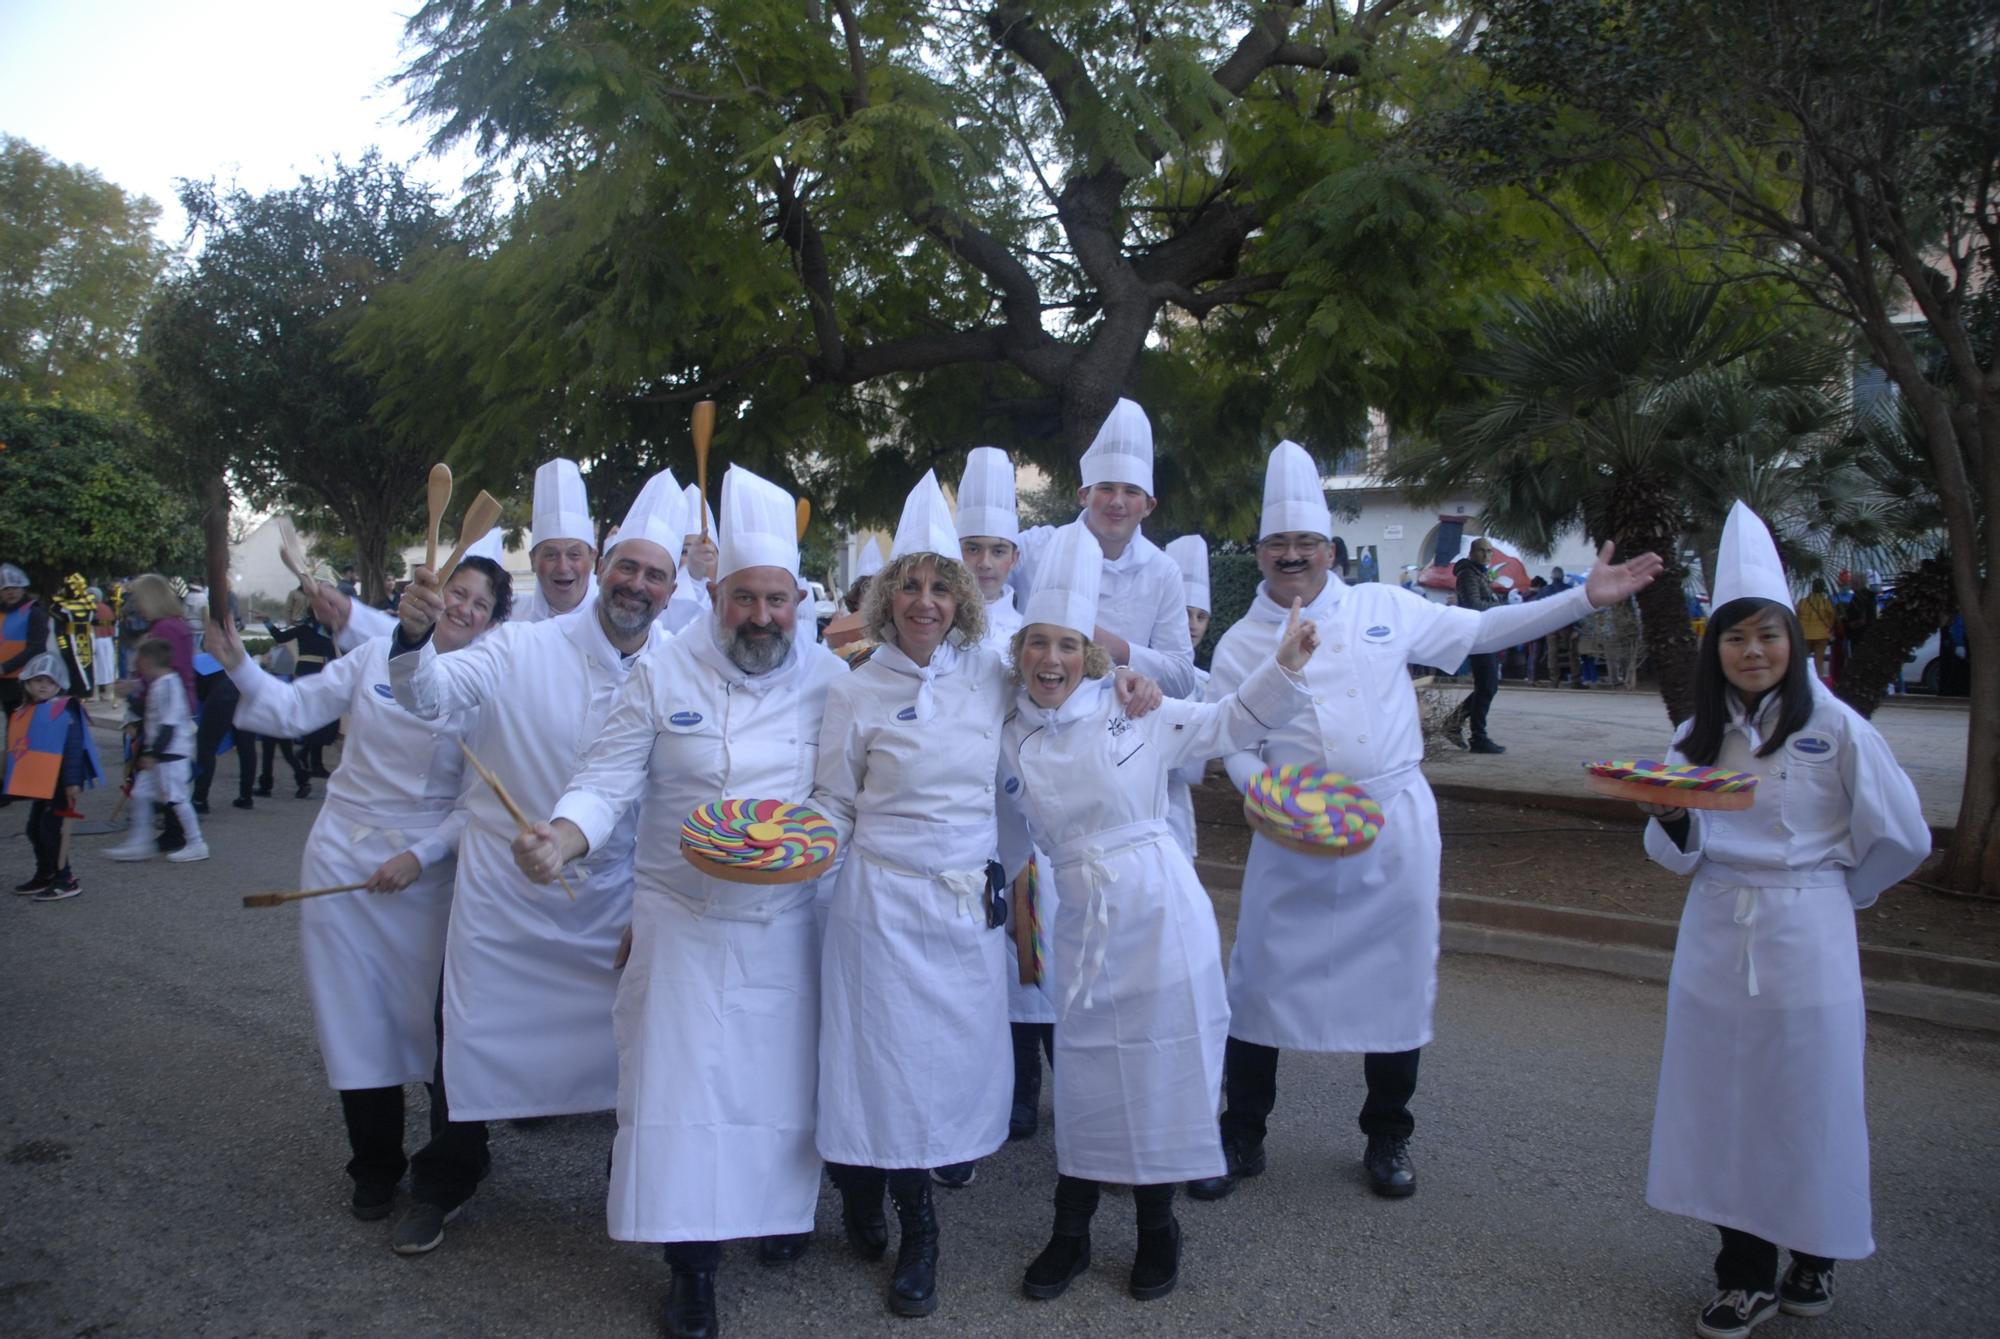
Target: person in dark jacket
(314, 648)
(1475, 592)
(24, 633)
(49, 760)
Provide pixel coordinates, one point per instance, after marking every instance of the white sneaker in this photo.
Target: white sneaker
(196, 850)
(132, 851)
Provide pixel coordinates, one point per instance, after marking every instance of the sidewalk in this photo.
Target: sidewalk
(1550, 732)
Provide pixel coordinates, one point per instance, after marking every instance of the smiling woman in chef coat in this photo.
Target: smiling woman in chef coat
(1142, 1011)
(1761, 1127)
(913, 1016)
(372, 963)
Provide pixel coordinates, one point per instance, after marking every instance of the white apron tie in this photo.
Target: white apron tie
(1746, 916)
(963, 884)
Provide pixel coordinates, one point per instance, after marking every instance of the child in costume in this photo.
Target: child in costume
(50, 759)
(1760, 1126)
(166, 742)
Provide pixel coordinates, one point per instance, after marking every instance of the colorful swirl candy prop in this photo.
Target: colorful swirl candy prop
(1645, 781)
(1311, 810)
(758, 841)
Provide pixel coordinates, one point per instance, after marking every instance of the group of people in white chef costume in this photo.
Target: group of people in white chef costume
(916, 981)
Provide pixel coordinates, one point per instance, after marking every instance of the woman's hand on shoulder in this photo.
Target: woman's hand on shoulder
(1137, 694)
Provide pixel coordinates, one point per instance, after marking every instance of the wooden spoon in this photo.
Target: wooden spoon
(704, 432)
(481, 516)
(805, 516)
(439, 490)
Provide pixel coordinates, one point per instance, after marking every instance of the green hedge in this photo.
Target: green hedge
(1232, 585)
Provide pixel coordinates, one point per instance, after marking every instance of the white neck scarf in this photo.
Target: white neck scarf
(1087, 701)
(707, 648)
(943, 661)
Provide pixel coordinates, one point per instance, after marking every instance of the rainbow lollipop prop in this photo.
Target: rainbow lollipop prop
(758, 841)
(1312, 811)
(1680, 785)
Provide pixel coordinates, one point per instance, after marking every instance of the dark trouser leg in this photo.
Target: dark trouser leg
(1485, 683)
(694, 1256)
(1250, 1090)
(246, 762)
(214, 724)
(1029, 1041)
(1746, 1261)
(45, 837)
(374, 1134)
(1076, 1204)
(1392, 1081)
(266, 746)
(1819, 1262)
(447, 1170)
(1154, 1204)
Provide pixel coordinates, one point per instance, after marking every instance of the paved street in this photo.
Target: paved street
(172, 1167)
(1550, 732)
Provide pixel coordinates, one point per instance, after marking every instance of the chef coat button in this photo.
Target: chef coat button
(1352, 692)
(1778, 828)
(1335, 648)
(1317, 699)
(1361, 739)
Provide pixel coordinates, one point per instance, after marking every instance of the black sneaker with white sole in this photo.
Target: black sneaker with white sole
(421, 1228)
(1806, 1291)
(1734, 1312)
(957, 1176)
(64, 888)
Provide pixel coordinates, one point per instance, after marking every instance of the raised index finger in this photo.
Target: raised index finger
(1292, 623)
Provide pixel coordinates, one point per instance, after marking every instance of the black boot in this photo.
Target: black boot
(861, 1191)
(1391, 1173)
(784, 1248)
(1026, 1116)
(1067, 1255)
(691, 1304)
(913, 1289)
(1157, 1266)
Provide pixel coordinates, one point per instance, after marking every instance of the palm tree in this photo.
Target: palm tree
(1638, 412)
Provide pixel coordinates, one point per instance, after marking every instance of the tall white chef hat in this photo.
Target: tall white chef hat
(1066, 581)
(1122, 452)
(487, 546)
(694, 504)
(1191, 552)
(926, 523)
(986, 496)
(869, 561)
(1294, 499)
(562, 507)
(657, 514)
(1747, 563)
(760, 525)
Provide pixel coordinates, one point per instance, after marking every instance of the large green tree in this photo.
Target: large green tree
(77, 495)
(77, 260)
(880, 232)
(240, 357)
(1848, 148)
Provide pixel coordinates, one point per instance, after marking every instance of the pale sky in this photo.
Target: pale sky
(254, 92)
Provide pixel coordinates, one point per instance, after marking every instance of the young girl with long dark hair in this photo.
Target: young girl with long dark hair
(1761, 1127)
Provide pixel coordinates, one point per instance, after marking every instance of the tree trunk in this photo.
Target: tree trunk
(371, 545)
(1638, 519)
(1972, 861)
(1923, 598)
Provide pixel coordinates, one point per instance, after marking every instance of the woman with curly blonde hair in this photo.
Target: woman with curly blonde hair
(913, 1000)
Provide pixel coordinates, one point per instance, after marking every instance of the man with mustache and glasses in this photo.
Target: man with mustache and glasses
(1341, 954)
(1141, 615)
(528, 974)
(718, 1008)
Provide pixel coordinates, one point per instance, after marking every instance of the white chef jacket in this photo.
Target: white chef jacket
(371, 960)
(1139, 597)
(1340, 953)
(1142, 1009)
(914, 1055)
(689, 602)
(718, 1009)
(1003, 620)
(1028, 1002)
(364, 624)
(535, 609)
(1182, 780)
(528, 982)
(1761, 1122)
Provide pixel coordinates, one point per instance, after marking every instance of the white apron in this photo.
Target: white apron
(913, 1046)
(1339, 953)
(1761, 1123)
(1143, 1012)
(529, 986)
(684, 1089)
(372, 959)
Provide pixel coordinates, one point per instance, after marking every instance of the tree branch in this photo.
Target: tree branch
(857, 61)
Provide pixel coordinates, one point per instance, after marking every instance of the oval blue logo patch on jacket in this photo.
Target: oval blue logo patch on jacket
(1813, 746)
(684, 719)
(1379, 633)
(907, 714)
(1013, 784)
(383, 690)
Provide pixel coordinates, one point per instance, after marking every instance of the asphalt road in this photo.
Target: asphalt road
(170, 1164)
